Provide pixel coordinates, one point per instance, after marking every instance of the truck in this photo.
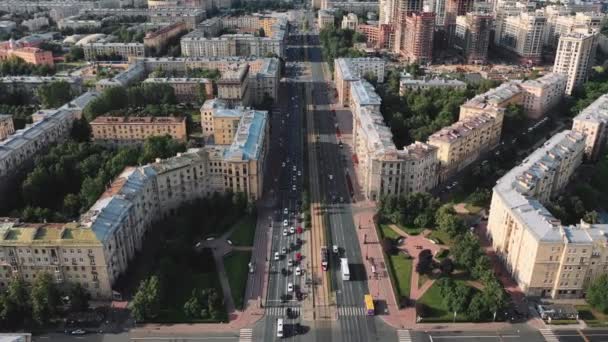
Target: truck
(324, 263)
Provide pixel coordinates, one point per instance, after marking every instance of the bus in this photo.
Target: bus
(344, 268)
(369, 305)
(280, 327)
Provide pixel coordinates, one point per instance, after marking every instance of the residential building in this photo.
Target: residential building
(95, 51)
(130, 129)
(191, 17)
(350, 21)
(593, 123)
(523, 35)
(219, 122)
(567, 23)
(545, 257)
(348, 70)
(325, 19)
(543, 94)
(387, 11)
(453, 9)
(233, 85)
(360, 8)
(472, 36)
(378, 36)
(75, 23)
(186, 89)
(135, 72)
(493, 101)
(30, 84)
(31, 55)
(575, 56)
(36, 23)
(417, 37)
(160, 38)
(407, 83)
(6, 126)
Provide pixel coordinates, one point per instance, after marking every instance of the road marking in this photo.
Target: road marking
(404, 336)
(549, 335)
(476, 336)
(183, 338)
(246, 335)
(351, 311)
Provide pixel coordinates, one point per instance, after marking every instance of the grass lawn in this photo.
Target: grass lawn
(441, 237)
(592, 317)
(244, 232)
(435, 310)
(412, 230)
(236, 268)
(422, 278)
(562, 321)
(442, 254)
(402, 269)
(474, 210)
(387, 232)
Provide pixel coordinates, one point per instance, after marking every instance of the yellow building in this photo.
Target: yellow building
(592, 122)
(130, 129)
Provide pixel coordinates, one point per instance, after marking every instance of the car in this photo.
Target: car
(283, 250)
(293, 187)
(299, 241)
(285, 211)
(276, 256)
(229, 242)
(341, 199)
(283, 164)
(299, 230)
(289, 287)
(299, 173)
(292, 230)
(292, 246)
(211, 238)
(400, 241)
(78, 332)
(288, 312)
(285, 223)
(290, 263)
(284, 271)
(298, 256)
(251, 267)
(295, 168)
(335, 249)
(331, 177)
(285, 232)
(298, 271)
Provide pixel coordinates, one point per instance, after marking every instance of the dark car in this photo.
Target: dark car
(299, 241)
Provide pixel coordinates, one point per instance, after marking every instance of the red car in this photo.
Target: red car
(298, 256)
(299, 230)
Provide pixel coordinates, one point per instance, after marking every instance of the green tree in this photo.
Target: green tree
(81, 130)
(597, 293)
(45, 298)
(160, 147)
(79, 298)
(591, 217)
(466, 251)
(54, 94)
(146, 302)
(17, 305)
(514, 117)
(477, 309)
(193, 307)
(76, 54)
(482, 266)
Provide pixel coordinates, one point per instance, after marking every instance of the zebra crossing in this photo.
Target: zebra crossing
(246, 335)
(351, 311)
(549, 335)
(404, 336)
(280, 311)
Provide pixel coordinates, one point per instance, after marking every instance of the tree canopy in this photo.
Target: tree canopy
(14, 66)
(597, 293)
(54, 94)
(337, 43)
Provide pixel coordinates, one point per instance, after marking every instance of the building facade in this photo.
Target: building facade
(160, 38)
(575, 56)
(472, 36)
(348, 70)
(186, 89)
(30, 55)
(592, 122)
(94, 51)
(6, 126)
(131, 129)
(523, 35)
(417, 37)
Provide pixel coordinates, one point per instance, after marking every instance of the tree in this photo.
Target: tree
(79, 298)
(457, 296)
(81, 130)
(597, 293)
(76, 54)
(480, 197)
(146, 302)
(45, 298)
(202, 93)
(446, 266)
(424, 266)
(478, 308)
(193, 307)
(591, 217)
(481, 268)
(160, 147)
(514, 117)
(466, 251)
(17, 307)
(54, 94)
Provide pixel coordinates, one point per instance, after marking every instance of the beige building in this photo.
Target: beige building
(408, 83)
(472, 36)
(186, 89)
(546, 258)
(130, 129)
(233, 85)
(558, 24)
(220, 122)
(592, 122)
(6, 126)
(160, 38)
(543, 94)
(575, 56)
(325, 19)
(523, 35)
(350, 21)
(348, 70)
(92, 51)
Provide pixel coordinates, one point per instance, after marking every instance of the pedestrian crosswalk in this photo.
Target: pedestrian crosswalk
(281, 311)
(246, 335)
(549, 335)
(404, 336)
(351, 311)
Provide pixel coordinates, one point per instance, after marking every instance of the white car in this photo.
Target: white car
(331, 177)
(276, 255)
(290, 287)
(283, 164)
(299, 173)
(295, 168)
(298, 271)
(290, 263)
(285, 223)
(285, 211)
(335, 249)
(283, 250)
(293, 188)
(284, 232)
(292, 230)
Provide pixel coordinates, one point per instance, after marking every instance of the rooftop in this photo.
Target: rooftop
(249, 137)
(495, 96)
(14, 233)
(137, 120)
(462, 128)
(596, 112)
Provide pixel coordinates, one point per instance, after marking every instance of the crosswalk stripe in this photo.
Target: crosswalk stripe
(279, 311)
(246, 335)
(404, 336)
(549, 335)
(351, 311)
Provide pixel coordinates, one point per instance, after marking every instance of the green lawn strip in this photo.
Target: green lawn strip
(422, 278)
(236, 266)
(412, 230)
(436, 310)
(473, 210)
(387, 232)
(442, 238)
(244, 232)
(592, 317)
(391, 272)
(401, 267)
(443, 253)
(562, 322)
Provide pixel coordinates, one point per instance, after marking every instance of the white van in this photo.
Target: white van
(280, 327)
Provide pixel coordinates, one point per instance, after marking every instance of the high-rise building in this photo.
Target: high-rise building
(593, 123)
(417, 37)
(350, 21)
(454, 8)
(523, 35)
(388, 11)
(575, 55)
(472, 36)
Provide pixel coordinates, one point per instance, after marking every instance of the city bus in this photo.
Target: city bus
(344, 268)
(369, 305)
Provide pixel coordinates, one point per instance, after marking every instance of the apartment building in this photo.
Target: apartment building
(160, 38)
(31, 55)
(30, 84)
(461, 143)
(494, 100)
(186, 89)
(592, 122)
(545, 257)
(543, 94)
(219, 122)
(233, 85)
(523, 35)
(348, 70)
(408, 83)
(189, 16)
(96, 51)
(416, 37)
(562, 23)
(35, 23)
(378, 36)
(135, 130)
(135, 72)
(6, 126)
(472, 36)
(75, 23)
(575, 56)
(325, 19)
(350, 21)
